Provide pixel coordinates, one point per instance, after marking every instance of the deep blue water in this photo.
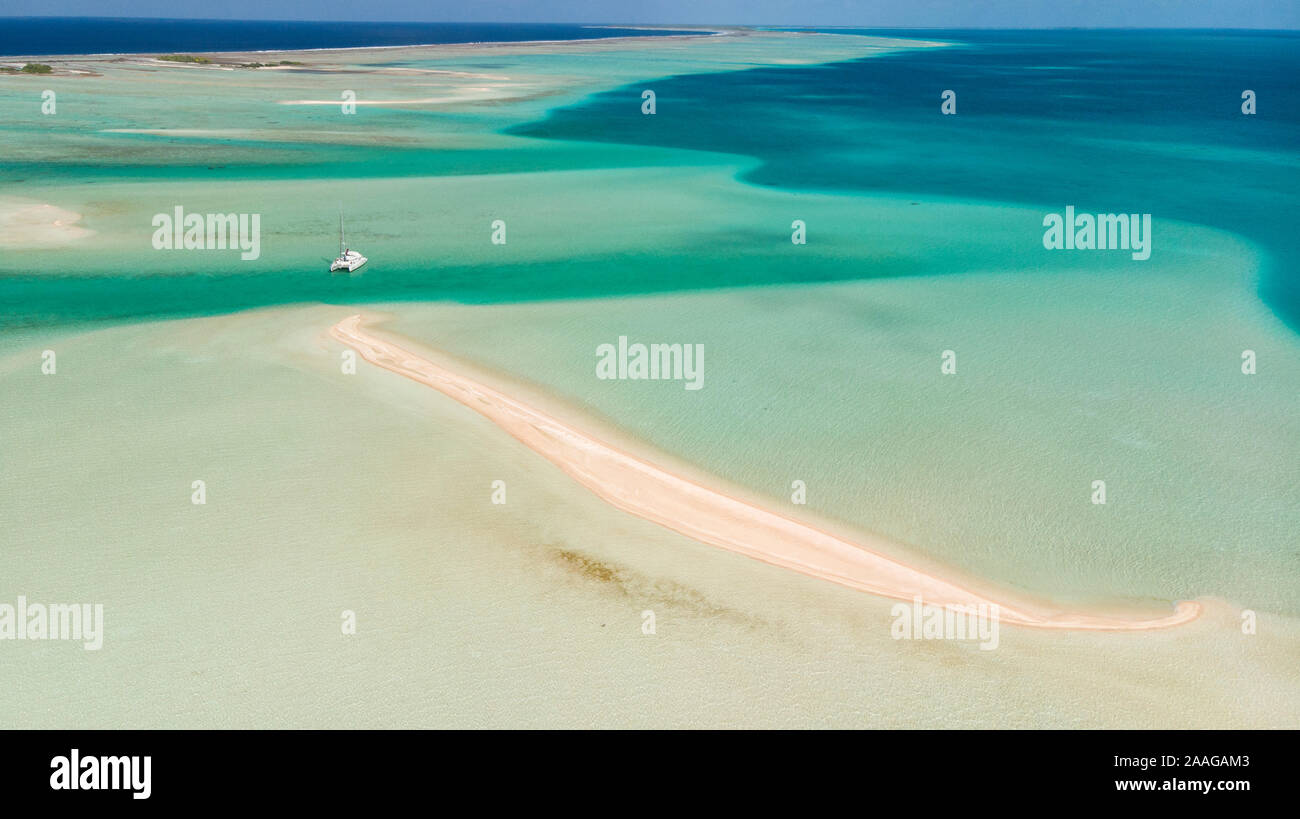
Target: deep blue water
(1132, 121)
(103, 35)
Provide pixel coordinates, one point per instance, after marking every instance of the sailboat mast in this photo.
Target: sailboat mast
(340, 231)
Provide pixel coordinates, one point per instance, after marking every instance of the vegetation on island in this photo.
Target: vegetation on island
(30, 68)
(191, 58)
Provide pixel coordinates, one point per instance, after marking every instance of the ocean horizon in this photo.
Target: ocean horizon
(46, 36)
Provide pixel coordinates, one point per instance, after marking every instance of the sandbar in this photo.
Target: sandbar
(650, 492)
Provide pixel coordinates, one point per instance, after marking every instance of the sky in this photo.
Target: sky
(1277, 14)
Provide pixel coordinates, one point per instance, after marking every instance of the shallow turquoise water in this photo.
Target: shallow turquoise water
(1106, 121)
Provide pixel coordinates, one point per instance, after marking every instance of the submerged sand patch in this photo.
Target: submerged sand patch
(366, 492)
(26, 223)
(465, 95)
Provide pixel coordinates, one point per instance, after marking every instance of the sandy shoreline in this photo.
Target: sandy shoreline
(647, 491)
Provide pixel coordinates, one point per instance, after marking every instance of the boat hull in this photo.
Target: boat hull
(348, 265)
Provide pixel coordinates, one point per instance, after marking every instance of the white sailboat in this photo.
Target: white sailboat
(348, 260)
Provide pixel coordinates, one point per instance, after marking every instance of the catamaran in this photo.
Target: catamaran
(348, 260)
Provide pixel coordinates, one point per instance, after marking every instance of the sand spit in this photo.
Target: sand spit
(689, 508)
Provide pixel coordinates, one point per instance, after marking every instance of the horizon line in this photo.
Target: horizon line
(708, 26)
